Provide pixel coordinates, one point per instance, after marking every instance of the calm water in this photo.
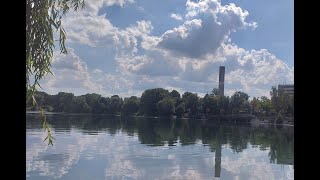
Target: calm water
(105, 147)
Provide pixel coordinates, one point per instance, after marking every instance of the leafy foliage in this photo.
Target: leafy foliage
(150, 98)
(180, 110)
(166, 106)
(174, 94)
(191, 101)
(46, 127)
(159, 102)
(238, 101)
(43, 18)
(131, 105)
(115, 104)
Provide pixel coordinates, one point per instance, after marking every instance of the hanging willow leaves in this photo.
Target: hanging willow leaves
(43, 18)
(46, 127)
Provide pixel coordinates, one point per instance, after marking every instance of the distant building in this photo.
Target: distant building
(221, 80)
(285, 160)
(286, 89)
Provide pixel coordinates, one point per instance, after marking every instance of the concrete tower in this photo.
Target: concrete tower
(221, 80)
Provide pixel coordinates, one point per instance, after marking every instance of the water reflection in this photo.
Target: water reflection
(111, 147)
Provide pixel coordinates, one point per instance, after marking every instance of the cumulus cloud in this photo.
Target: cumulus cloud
(153, 63)
(253, 71)
(126, 41)
(70, 74)
(89, 30)
(177, 17)
(193, 52)
(208, 24)
(92, 7)
(118, 2)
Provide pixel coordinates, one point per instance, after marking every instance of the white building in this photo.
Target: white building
(287, 89)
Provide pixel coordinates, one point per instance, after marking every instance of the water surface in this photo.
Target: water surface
(106, 147)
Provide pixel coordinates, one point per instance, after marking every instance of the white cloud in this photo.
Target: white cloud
(153, 63)
(202, 6)
(248, 165)
(208, 25)
(89, 30)
(149, 42)
(97, 71)
(91, 8)
(118, 2)
(55, 161)
(142, 27)
(126, 41)
(122, 169)
(253, 72)
(70, 75)
(188, 174)
(177, 17)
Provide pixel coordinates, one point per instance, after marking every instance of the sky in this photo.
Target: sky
(124, 47)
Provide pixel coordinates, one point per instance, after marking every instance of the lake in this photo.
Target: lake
(112, 147)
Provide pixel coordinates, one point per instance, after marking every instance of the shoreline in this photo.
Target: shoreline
(253, 121)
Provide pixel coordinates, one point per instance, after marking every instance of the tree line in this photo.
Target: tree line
(161, 102)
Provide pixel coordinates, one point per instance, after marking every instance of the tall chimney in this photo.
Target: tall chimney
(221, 80)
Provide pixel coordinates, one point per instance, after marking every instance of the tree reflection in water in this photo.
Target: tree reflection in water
(279, 140)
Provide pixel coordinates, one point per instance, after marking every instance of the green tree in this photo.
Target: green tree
(256, 105)
(150, 98)
(180, 110)
(275, 98)
(224, 105)
(131, 105)
(210, 104)
(92, 99)
(192, 103)
(63, 102)
(279, 103)
(174, 94)
(239, 101)
(290, 111)
(98, 108)
(105, 101)
(265, 105)
(215, 92)
(80, 105)
(166, 107)
(115, 104)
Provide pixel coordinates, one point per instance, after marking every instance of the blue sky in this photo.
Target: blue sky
(127, 46)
